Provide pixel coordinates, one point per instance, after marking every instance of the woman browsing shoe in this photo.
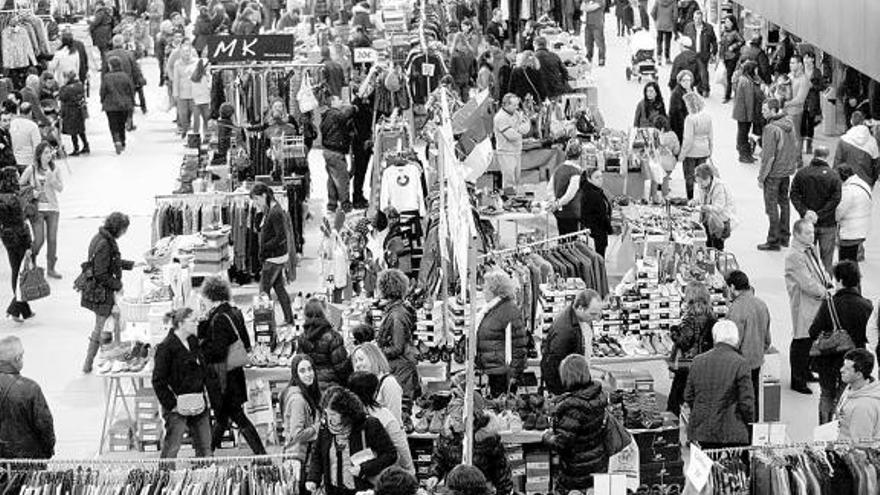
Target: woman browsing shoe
(15, 236)
(106, 265)
(45, 178)
(222, 326)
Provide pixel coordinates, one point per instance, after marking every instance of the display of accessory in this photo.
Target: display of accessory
(32, 284)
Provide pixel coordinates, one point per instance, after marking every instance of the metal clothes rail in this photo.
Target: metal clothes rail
(266, 65)
(796, 445)
(502, 252)
(146, 460)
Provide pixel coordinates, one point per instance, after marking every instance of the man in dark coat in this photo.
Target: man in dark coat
(685, 60)
(705, 46)
(852, 311)
(753, 51)
(552, 69)
(686, 9)
(719, 392)
(816, 188)
(566, 337)
(7, 157)
(27, 430)
(101, 27)
(131, 67)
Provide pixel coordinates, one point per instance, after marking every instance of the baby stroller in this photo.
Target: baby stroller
(642, 47)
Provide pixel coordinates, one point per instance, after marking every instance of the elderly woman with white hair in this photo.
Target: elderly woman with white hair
(501, 335)
(719, 393)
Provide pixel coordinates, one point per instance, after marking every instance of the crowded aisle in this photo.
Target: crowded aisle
(107, 180)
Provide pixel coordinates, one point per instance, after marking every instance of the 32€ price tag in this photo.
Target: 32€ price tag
(428, 70)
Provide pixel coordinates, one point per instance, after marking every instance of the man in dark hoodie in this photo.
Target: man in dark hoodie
(101, 27)
(816, 189)
(552, 69)
(685, 60)
(779, 160)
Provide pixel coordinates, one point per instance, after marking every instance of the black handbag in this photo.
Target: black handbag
(837, 341)
(87, 285)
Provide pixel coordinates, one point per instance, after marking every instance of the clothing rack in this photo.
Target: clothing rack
(796, 445)
(502, 252)
(146, 460)
(163, 198)
(266, 65)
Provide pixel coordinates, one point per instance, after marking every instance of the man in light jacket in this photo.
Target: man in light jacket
(816, 188)
(752, 318)
(807, 284)
(511, 125)
(859, 409)
(858, 149)
(779, 159)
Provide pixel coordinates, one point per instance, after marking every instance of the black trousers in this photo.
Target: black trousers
(849, 252)
(730, 65)
(16, 253)
(75, 139)
(116, 121)
(742, 138)
(500, 385)
(601, 242)
(567, 225)
(223, 416)
(676, 392)
(664, 40)
(756, 387)
(799, 361)
(359, 163)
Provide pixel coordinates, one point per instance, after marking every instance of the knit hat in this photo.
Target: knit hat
(226, 111)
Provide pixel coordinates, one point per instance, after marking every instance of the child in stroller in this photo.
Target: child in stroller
(642, 47)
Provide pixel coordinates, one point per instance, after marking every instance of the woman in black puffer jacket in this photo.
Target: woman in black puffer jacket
(324, 346)
(578, 433)
(500, 312)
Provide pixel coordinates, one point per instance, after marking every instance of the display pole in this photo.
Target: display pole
(470, 292)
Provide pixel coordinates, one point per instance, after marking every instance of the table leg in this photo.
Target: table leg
(109, 394)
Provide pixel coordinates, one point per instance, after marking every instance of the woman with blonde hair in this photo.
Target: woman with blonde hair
(525, 79)
(367, 357)
(696, 146)
(692, 337)
(501, 336)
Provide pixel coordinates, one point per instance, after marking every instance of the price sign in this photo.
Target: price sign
(428, 70)
(699, 468)
(365, 56)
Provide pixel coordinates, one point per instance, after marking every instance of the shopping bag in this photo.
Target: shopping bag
(305, 97)
(109, 330)
(32, 284)
(616, 436)
(656, 172)
(720, 76)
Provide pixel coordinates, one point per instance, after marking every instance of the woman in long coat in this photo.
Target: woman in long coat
(73, 113)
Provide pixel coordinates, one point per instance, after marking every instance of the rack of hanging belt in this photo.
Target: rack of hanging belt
(581, 234)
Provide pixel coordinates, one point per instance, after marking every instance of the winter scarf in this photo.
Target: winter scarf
(340, 457)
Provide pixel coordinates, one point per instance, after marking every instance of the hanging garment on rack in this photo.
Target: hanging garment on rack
(18, 50)
(403, 188)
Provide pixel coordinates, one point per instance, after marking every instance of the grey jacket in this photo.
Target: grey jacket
(752, 318)
(781, 153)
(806, 283)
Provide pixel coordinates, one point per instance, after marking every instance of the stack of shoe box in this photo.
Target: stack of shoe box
(149, 422)
(537, 472)
(422, 450)
(660, 456)
(120, 436)
(264, 322)
(517, 464)
(213, 256)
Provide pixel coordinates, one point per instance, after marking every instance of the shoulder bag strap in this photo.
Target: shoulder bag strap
(234, 327)
(835, 318)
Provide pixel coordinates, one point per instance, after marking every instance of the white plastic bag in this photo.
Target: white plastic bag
(305, 97)
(720, 77)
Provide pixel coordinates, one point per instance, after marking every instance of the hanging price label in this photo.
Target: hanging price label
(428, 70)
(365, 56)
(699, 468)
